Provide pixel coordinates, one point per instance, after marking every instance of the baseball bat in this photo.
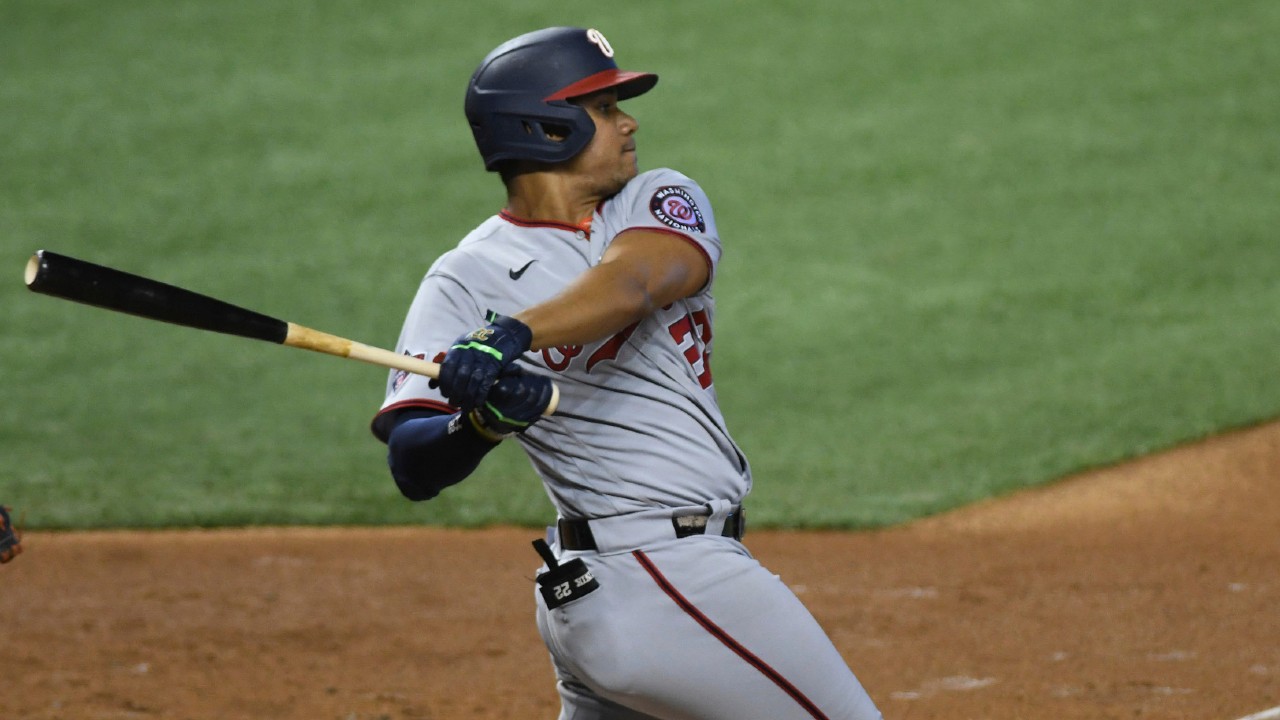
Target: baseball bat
(84, 282)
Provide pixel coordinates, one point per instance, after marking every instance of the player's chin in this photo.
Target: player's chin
(620, 179)
(630, 166)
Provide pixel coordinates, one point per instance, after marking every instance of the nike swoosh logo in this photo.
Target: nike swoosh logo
(515, 274)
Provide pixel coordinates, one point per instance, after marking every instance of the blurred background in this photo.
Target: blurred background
(969, 247)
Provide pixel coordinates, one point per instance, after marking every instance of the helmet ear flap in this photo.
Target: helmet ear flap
(541, 136)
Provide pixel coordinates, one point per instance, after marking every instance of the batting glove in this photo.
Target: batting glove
(515, 402)
(476, 359)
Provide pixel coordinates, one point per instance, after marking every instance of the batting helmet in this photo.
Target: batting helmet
(522, 89)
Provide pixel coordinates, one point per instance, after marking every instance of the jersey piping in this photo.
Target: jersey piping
(728, 640)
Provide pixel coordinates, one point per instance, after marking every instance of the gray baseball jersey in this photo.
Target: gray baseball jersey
(667, 445)
(656, 624)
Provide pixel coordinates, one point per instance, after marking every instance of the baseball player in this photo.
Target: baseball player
(10, 539)
(599, 278)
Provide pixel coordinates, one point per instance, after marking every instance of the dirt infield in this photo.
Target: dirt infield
(1149, 590)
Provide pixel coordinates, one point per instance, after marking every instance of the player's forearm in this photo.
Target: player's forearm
(603, 301)
(426, 455)
(641, 272)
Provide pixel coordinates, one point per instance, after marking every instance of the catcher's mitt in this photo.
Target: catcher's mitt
(10, 539)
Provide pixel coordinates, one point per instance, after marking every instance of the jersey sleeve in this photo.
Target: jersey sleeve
(668, 201)
(441, 311)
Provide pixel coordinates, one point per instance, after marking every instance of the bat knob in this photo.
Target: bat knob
(555, 400)
(33, 269)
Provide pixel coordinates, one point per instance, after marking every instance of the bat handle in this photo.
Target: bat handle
(309, 339)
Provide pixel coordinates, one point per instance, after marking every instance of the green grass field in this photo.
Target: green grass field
(969, 247)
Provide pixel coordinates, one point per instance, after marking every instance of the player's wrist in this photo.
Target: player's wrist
(520, 334)
(475, 420)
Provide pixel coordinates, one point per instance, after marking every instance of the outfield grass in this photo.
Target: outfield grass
(969, 247)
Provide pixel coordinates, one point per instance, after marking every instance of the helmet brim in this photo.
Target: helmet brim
(629, 85)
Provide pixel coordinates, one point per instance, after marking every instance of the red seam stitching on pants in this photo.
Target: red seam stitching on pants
(725, 638)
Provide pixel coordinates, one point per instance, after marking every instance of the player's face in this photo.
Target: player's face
(609, 160)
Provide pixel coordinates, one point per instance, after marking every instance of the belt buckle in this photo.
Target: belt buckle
(686, 525)
(735, 524)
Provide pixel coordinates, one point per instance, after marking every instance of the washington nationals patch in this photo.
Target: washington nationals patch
(675, 208)
(403, 375)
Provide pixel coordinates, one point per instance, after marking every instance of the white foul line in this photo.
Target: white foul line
(1264, 715)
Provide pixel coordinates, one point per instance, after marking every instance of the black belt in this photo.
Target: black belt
(576, 534)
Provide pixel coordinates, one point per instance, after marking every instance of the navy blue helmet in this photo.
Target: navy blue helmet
(522, 90)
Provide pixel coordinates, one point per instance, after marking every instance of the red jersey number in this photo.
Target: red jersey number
(695, 329)
(691, 332)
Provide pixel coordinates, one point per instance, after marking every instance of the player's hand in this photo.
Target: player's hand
(476, 359)
(515, 402)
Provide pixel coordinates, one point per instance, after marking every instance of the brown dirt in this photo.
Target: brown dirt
(1148, 590)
